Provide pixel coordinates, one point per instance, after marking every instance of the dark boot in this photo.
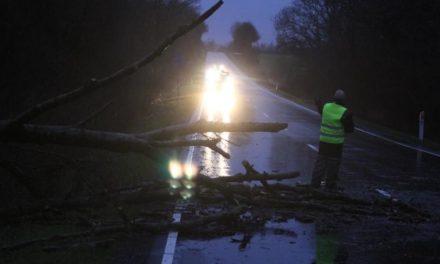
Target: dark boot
(319, 171)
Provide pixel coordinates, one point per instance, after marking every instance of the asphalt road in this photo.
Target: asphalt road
(369, 163)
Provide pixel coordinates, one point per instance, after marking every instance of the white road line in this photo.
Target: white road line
(266, 115)
(360, 129)
(397, 142)
(313, 147)
(356, 128)
(287, 101)
(264, 90)
(315, 113)
(170, 247)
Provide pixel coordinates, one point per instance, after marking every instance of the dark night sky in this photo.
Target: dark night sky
(259, 12)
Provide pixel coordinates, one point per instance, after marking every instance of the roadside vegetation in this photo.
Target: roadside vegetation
(55, 47)
(383, 53)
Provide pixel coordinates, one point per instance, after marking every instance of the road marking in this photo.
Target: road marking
(266, 115)
(356, 128)
(170, 247)
(313, 147)
(308, 110)
(397, 142)
(384, 193)
(315, 113)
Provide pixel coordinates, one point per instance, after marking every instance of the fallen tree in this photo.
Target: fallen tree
(149, 143)
(303, 203)
(294, 200)
(125, 142)
(21, 129)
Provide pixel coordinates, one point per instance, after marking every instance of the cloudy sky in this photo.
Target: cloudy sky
(259, 12)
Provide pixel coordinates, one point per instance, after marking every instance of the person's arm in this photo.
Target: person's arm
(347, 122)
(319, 105)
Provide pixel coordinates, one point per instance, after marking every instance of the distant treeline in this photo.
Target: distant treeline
(385, 54)
(51, 46)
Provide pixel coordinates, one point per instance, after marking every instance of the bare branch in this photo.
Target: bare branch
(69, 136)
(227, 190)
(21, 178)
(259, 177)
(221, 152)
(93, 115)
(203, 126)
(210, 143)
(125, 142)
(94, 83)
(138, 227)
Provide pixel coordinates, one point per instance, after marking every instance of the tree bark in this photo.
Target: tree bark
(203, 126)
(258, 177)
(125, 142)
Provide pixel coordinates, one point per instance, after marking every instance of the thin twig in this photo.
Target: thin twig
(93, 115)
(230, 142)
(204, 126)
(210, 143)
(21, 178)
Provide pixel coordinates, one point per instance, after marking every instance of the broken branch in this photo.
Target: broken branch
(21, 178)
(210, 143)
(93, 84)
(113, 141)
(93, 115)
(259, 177)
(126, 142)
(139, 227)
(203, 126)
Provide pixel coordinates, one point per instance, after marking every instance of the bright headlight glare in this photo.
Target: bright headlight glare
(212, 75)
(175, 169)
(190, 170)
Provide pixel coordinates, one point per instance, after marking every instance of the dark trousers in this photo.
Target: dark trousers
(326, 168)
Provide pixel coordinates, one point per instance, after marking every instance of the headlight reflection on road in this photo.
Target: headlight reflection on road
(219, 100)
(216, 164)
(190, 170)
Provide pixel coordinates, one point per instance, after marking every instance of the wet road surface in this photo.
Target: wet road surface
(368, 164)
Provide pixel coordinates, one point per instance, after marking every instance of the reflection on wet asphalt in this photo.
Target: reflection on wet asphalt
(278, 243)
(368, 164)
(270, 152)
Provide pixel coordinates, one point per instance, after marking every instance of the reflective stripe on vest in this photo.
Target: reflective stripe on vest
(332, 130)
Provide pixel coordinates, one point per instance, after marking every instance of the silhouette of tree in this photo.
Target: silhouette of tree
(244, 35)
(383, 52)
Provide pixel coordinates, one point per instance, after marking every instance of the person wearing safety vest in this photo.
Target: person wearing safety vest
(336, 121)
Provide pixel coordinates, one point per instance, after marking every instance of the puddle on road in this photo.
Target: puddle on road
(286, 242)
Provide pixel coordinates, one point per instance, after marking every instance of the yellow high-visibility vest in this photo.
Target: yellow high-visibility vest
(332, 130)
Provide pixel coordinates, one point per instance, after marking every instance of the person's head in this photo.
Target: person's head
(339, 96)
